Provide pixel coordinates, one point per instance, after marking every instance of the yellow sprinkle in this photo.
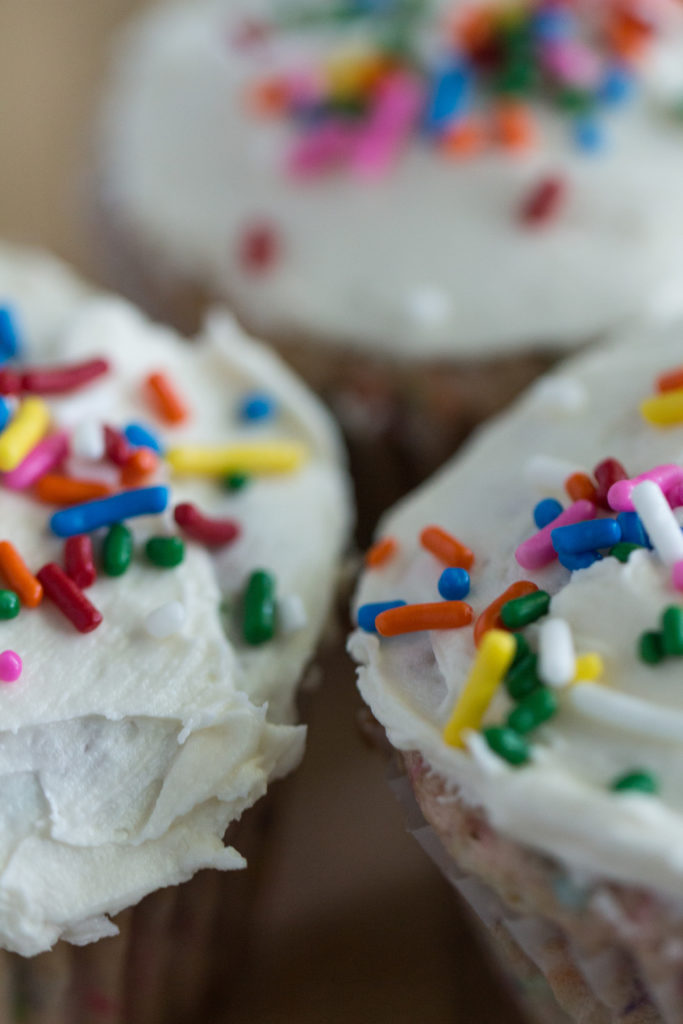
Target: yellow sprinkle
(24, 432)
(255, 457)
(664, 410)
(350, 74)
(589, 667)
(494, 657)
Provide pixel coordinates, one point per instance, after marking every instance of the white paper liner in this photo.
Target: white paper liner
(554, 980)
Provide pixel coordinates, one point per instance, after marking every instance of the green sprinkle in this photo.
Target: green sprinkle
(522, 610)
(165, 552)
(623, 550)
(522, 649)
(9, 604)
(651, 648)
(259, 608)
(117, 550)
(522, 679)
(507, 743)
(535, 709)
(638, 781)
(672, 630)
(236, 481)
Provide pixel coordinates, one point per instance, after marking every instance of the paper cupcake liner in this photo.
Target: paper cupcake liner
(555, 976)
(175, 960)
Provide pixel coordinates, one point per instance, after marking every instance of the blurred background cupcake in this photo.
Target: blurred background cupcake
(422, 204)
(519, 642)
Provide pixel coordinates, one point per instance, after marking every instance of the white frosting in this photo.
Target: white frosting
(561, 802)
(124, 757)
(432, 260)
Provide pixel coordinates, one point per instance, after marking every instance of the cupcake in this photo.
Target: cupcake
(160, 612)
(422, 204)
(520, 630)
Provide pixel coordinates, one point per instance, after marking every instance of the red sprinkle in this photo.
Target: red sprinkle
(69, 598)
(79, 560)
(672, 380)
(56, 380)
(10, 382)
(606, 473)
(214, 533)
(117, 447)
(259, 248)
(544, 202)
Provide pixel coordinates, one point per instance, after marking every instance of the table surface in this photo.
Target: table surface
(355, 923)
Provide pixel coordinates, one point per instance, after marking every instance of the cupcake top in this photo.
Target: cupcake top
(421, 179)
(144, 710)
(543, 568)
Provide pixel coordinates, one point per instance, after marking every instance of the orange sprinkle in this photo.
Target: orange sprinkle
(138, 467)
(167, 402)
(268, 98)
(411, 618)
(672, 380)
(66, 490)
(580, 485)
(515, 128)
(490, 617)
(629, 36)
(381, 552)
(466, 138)
(447, 548)
(18, 576)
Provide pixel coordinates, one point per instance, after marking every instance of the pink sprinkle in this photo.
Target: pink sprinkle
(667, 477)
(323, 148)
(43, 458)
(397, 108)
(538, 550)
(573, 63)
(677, 575)
(10, 667)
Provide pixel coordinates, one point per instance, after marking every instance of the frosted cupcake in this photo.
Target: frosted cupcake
(520, 630)
(160, 613)
(422, 203)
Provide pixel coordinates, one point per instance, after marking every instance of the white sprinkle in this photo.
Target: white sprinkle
(84, 469)
(87, 440)
(429, 306)
(556, 657)
(291, 614)
(548, 473)
(620, 711)
(165, 620)
(659, 521)
(563, 395)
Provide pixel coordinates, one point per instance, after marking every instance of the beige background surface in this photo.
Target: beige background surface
(355, 924)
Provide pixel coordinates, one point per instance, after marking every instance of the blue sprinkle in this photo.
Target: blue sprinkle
(142, 437)
(5, 413)
(552, 25)
(449, 97)
(90, 515)
(257, 406)
(10, 344)
(569, 894)
(367, 613)
(617, 86)
(581, 537)
(632, 529)
(581, 561)
(454, 584)
(589, 134)
(546, 511)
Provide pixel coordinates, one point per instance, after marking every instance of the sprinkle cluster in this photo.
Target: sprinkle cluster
(610, 514)
(492, 61)
(102, 475)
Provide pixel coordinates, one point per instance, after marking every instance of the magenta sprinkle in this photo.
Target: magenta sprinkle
(11, 666)
(668, 477)
(538, 550)
(45, 457)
